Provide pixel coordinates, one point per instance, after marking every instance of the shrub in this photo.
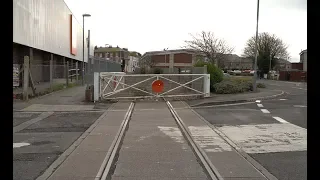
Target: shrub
(261, 85)
(216, 74)
(234, 85)
(157, 71)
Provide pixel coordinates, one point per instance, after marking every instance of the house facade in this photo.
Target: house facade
(303, 59)
(169, 58)
(116, 54)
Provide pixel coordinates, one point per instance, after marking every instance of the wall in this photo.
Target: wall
(298, 66)
(45, 25)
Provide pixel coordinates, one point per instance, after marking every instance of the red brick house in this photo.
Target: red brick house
(169, 58)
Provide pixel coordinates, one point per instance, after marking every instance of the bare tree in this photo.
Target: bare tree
(146, 61)
(269, 46)
(209, 45)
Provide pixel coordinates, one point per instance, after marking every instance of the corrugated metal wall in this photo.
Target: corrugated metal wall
(45, 25)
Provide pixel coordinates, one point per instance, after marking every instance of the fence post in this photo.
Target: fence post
(67, 73)
(64, 66)
(77, 78)
(25, 78)
(51, 70)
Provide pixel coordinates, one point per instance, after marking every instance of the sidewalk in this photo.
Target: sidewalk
(216, 99)
(70, 96)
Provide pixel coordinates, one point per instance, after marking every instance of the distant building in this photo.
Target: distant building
(112, 53)
(169, 58)
(133, 61)
(282, 65)
(233, 61)
(303, 59)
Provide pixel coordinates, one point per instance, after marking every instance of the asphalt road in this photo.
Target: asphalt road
(277, 137)
(38, 145)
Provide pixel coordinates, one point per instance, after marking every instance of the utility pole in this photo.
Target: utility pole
(255, 60)
(270, 63)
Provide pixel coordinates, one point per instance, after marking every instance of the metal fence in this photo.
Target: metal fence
(175, 70)
(97, 64)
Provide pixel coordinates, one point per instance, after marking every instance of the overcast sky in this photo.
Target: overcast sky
(151, 25)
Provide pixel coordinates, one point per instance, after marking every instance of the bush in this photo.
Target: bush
(234, 85)
(157, 71)
(216, 74)
(261, 85)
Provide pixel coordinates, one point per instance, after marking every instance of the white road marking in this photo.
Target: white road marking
(260, 105)
(266, 138)
(283, 99)
(265, 111)
(302, 106)
(258, 101)
(300, 88)
(175, 134)
(18, 145)
(209, 140)
(280, 119)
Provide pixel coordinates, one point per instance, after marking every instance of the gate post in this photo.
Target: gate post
(96, 87)
(25, 78)
(206, 82)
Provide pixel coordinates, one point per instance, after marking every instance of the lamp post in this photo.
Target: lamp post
(83, 15)
(256, 57)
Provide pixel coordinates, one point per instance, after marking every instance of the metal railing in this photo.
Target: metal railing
(110, 85)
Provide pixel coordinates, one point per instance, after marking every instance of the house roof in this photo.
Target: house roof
(109, 49)
(189, 51)
(304, 51)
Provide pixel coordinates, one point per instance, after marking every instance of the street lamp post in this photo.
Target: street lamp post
(256, 56)
(83, 15)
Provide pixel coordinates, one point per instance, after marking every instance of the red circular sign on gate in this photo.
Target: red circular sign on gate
(157, 86)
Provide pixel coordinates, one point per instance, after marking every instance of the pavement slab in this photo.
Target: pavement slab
(85, 161)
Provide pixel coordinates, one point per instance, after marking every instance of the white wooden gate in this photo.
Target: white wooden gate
(117, 85)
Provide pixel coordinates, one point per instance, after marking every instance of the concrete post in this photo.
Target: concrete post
(206, 82)
(77, 77)
(171, 63)
(51, 70)
(25, 77)
(67, 73)
(96, 86)
(205, 69)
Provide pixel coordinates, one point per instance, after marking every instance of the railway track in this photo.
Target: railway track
(108, 166)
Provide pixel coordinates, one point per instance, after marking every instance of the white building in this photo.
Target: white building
(132, 64)
(47, 32)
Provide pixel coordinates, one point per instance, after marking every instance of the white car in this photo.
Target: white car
(237, 72)
(251, 72)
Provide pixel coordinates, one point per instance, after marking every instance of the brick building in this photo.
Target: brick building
(112, 53)
(169, 58)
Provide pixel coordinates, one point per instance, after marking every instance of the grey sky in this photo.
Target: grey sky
(149, 25)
